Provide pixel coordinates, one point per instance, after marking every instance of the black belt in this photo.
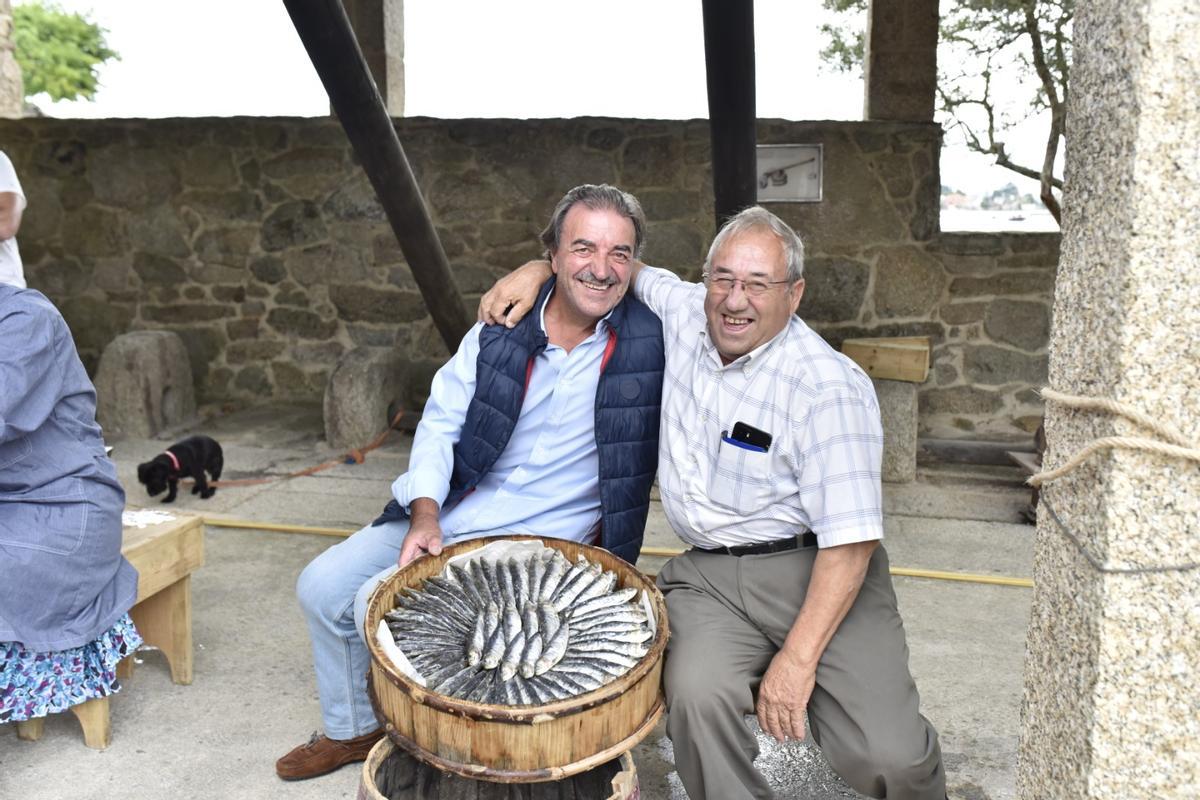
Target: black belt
(801, 542)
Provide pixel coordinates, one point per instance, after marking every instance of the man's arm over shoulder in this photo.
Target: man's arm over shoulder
(663, 291)
(431, 460)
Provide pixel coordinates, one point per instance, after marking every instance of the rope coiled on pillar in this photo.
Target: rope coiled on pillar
(1177, 445)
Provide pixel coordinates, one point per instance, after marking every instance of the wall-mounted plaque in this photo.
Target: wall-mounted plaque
(789, 173)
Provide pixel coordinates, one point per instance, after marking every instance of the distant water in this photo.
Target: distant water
(961, 220)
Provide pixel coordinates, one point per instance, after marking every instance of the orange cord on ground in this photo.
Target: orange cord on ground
(357, 455)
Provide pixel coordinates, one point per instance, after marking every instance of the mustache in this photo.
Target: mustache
(587, 275)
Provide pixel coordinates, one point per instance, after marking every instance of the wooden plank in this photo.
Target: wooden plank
(729, 64)
(164, 553)
(894, 359)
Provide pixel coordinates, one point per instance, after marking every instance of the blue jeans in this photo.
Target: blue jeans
(334, 590)
(329, 589)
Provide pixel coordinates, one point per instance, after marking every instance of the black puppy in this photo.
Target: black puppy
(189, 458)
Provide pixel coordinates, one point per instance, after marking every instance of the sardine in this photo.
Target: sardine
(520, 581)
(492, 580)
(511, 619)
(507, 590)
(456, 681)
(512, 656)
(521, 688)
(537, 572)
(605, 582)
(548, 620)
(608, 646)
(552, 650)
(529, 619)
(467, 583)
(629, 632)
(608, 616)
(554, 572)
(603, 601)
(533, 651)
(494, 652)
(491, 616)
(480, 579)
(478, 641)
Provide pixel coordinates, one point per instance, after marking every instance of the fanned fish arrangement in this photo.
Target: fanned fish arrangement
(524, 631)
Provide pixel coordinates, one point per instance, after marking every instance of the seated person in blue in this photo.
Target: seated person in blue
(549, 428)
(65, 589)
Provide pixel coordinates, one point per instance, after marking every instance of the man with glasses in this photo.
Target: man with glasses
(769, 467)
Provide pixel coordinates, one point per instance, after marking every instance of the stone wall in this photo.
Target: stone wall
(260, 242)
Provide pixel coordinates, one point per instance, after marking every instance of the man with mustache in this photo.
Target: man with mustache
(770, 461)
(548, 427)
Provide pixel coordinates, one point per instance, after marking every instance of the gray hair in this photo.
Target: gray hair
(758, 218)
(596, 197)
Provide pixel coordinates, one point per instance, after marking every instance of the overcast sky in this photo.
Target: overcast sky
(480, 58)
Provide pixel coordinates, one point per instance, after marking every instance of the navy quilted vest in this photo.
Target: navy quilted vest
(628, 399)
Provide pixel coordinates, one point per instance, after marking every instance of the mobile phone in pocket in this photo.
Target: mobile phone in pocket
(752, 436)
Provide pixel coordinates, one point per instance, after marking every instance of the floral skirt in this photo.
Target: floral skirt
(35, 683)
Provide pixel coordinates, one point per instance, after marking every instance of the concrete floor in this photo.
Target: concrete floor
(254, 697)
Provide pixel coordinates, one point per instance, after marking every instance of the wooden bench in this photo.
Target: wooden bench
(165, 555)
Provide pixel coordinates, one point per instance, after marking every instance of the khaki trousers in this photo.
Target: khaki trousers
(729, 615)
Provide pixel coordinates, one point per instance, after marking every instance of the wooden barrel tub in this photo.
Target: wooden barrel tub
(517, 744)
(392, 774)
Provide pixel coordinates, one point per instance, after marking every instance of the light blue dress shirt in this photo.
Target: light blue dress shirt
(63, 581)
(546, 482)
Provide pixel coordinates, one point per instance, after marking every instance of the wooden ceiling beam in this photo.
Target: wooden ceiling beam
(729, 65)
(325, 31)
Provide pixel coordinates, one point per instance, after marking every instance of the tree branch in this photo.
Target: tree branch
(1047, 178)
(1057, 111)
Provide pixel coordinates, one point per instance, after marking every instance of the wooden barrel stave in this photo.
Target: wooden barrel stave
(392, 774)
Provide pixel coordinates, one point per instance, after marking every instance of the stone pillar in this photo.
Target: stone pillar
(900, 60)
(1112, 704)
(12, 90)
(379, 27)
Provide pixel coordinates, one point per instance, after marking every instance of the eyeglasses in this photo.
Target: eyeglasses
(755, 288)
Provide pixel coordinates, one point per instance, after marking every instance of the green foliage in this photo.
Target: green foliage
(999, 61)
(846, 39)
(58, 51)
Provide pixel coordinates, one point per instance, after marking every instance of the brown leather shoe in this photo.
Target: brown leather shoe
(320, 755)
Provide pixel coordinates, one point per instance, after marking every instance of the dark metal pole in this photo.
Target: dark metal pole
(729, 64)
(325, 31)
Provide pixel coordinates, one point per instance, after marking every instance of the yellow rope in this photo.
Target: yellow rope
(1179, 447)
(277, 527)
(661, 552)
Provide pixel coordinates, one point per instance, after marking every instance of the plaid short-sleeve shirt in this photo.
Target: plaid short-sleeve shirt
(821, 471)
